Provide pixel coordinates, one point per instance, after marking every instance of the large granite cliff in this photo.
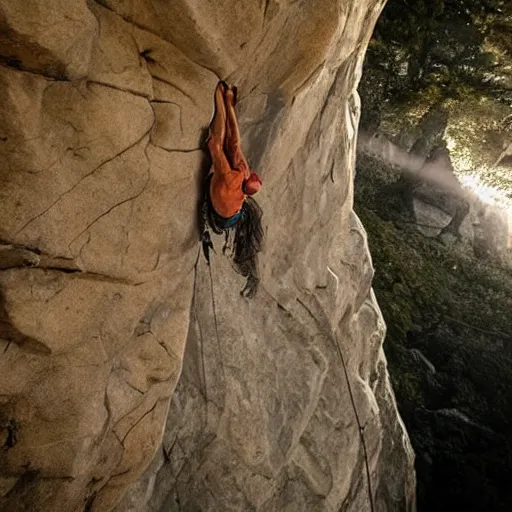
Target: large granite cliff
(118, 349)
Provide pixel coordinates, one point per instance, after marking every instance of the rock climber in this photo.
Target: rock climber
(228, 205)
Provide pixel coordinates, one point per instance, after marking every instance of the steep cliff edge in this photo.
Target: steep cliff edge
(102, 287)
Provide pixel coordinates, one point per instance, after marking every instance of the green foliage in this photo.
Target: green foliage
(447, 49)
(456, 310)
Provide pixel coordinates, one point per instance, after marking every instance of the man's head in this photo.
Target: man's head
(252, 184)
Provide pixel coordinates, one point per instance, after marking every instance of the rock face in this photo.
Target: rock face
(103, 287)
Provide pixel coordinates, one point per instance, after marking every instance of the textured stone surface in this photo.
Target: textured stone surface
(102, 289)
(51, 37)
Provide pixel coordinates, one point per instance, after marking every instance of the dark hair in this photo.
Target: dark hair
(247, 244)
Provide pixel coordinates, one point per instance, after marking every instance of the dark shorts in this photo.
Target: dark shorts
(224, 223)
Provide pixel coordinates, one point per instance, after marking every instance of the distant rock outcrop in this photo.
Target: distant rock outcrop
(106, 303)
(440, 204)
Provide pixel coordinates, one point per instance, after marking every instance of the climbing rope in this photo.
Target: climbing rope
(214, 309)
(334, 338)
(360, 427)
